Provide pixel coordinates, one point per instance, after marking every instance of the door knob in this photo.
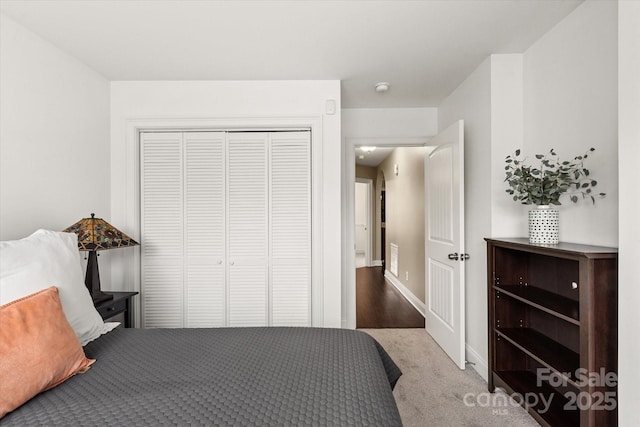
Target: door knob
(453, 256)
(464, 257)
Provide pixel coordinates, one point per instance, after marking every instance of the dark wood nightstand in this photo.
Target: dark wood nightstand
(121, 303)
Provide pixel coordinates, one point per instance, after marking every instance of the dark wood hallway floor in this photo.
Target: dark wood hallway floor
(380, 305)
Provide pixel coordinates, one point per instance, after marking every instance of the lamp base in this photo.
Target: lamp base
(100, 297)
(92, 280)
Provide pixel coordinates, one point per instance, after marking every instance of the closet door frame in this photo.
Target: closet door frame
(128, 267)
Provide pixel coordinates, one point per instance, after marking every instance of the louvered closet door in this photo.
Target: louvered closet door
(183, 229)
(247, 228)
(226, 229)
(162, 222)
(204, 229)
(290, 234)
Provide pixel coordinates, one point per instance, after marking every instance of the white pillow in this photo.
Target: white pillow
(50, 258)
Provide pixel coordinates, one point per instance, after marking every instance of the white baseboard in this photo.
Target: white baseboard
(480, 365)
(376, 263)
(419, 305)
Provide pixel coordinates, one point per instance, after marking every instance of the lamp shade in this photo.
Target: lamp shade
(96, 234)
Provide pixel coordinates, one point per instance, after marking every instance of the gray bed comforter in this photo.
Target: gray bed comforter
(224, 377)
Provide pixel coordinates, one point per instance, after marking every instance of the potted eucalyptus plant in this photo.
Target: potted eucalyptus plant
(542, 184)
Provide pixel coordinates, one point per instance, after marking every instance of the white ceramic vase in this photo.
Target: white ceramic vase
(544, 225)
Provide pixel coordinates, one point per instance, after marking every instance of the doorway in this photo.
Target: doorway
(444, 167)
(385, 297)
(348, 306)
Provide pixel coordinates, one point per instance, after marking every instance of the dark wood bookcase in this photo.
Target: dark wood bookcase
(553, 329)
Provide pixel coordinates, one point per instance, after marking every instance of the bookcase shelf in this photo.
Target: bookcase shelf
(546, 351)
(553, 312)
(549, 302)
(526, 382)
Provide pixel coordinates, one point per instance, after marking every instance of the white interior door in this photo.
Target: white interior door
(444, 242)
(226, 221)
(247, 228)
(161, 196)
(290, 231)
(183, 227)
(362, 224)
(204, 229)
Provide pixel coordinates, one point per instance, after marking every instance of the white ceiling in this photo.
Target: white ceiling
(372, 158)
(423, 48)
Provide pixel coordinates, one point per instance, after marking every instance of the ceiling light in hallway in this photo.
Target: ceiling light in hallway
(382, 87)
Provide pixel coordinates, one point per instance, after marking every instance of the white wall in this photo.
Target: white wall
(490, 103)
(571, 105)
(560, 93)
(471, 102)
(54, 136)
(508, 219)
(389, 122)
(629, 176)
(232, 104)
(405, 219)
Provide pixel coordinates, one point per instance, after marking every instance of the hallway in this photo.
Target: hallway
(380, 305)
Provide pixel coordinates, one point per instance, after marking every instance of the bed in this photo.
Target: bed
(272, 376)
(231, 377)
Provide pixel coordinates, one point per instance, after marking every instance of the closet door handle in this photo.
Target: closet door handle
(232, 262)
(219, 261)
(453, 256)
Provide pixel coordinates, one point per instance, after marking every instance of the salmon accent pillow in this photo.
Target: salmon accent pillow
(50, 258)
(38, 348)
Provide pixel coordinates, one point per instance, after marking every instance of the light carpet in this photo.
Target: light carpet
(433, 391)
